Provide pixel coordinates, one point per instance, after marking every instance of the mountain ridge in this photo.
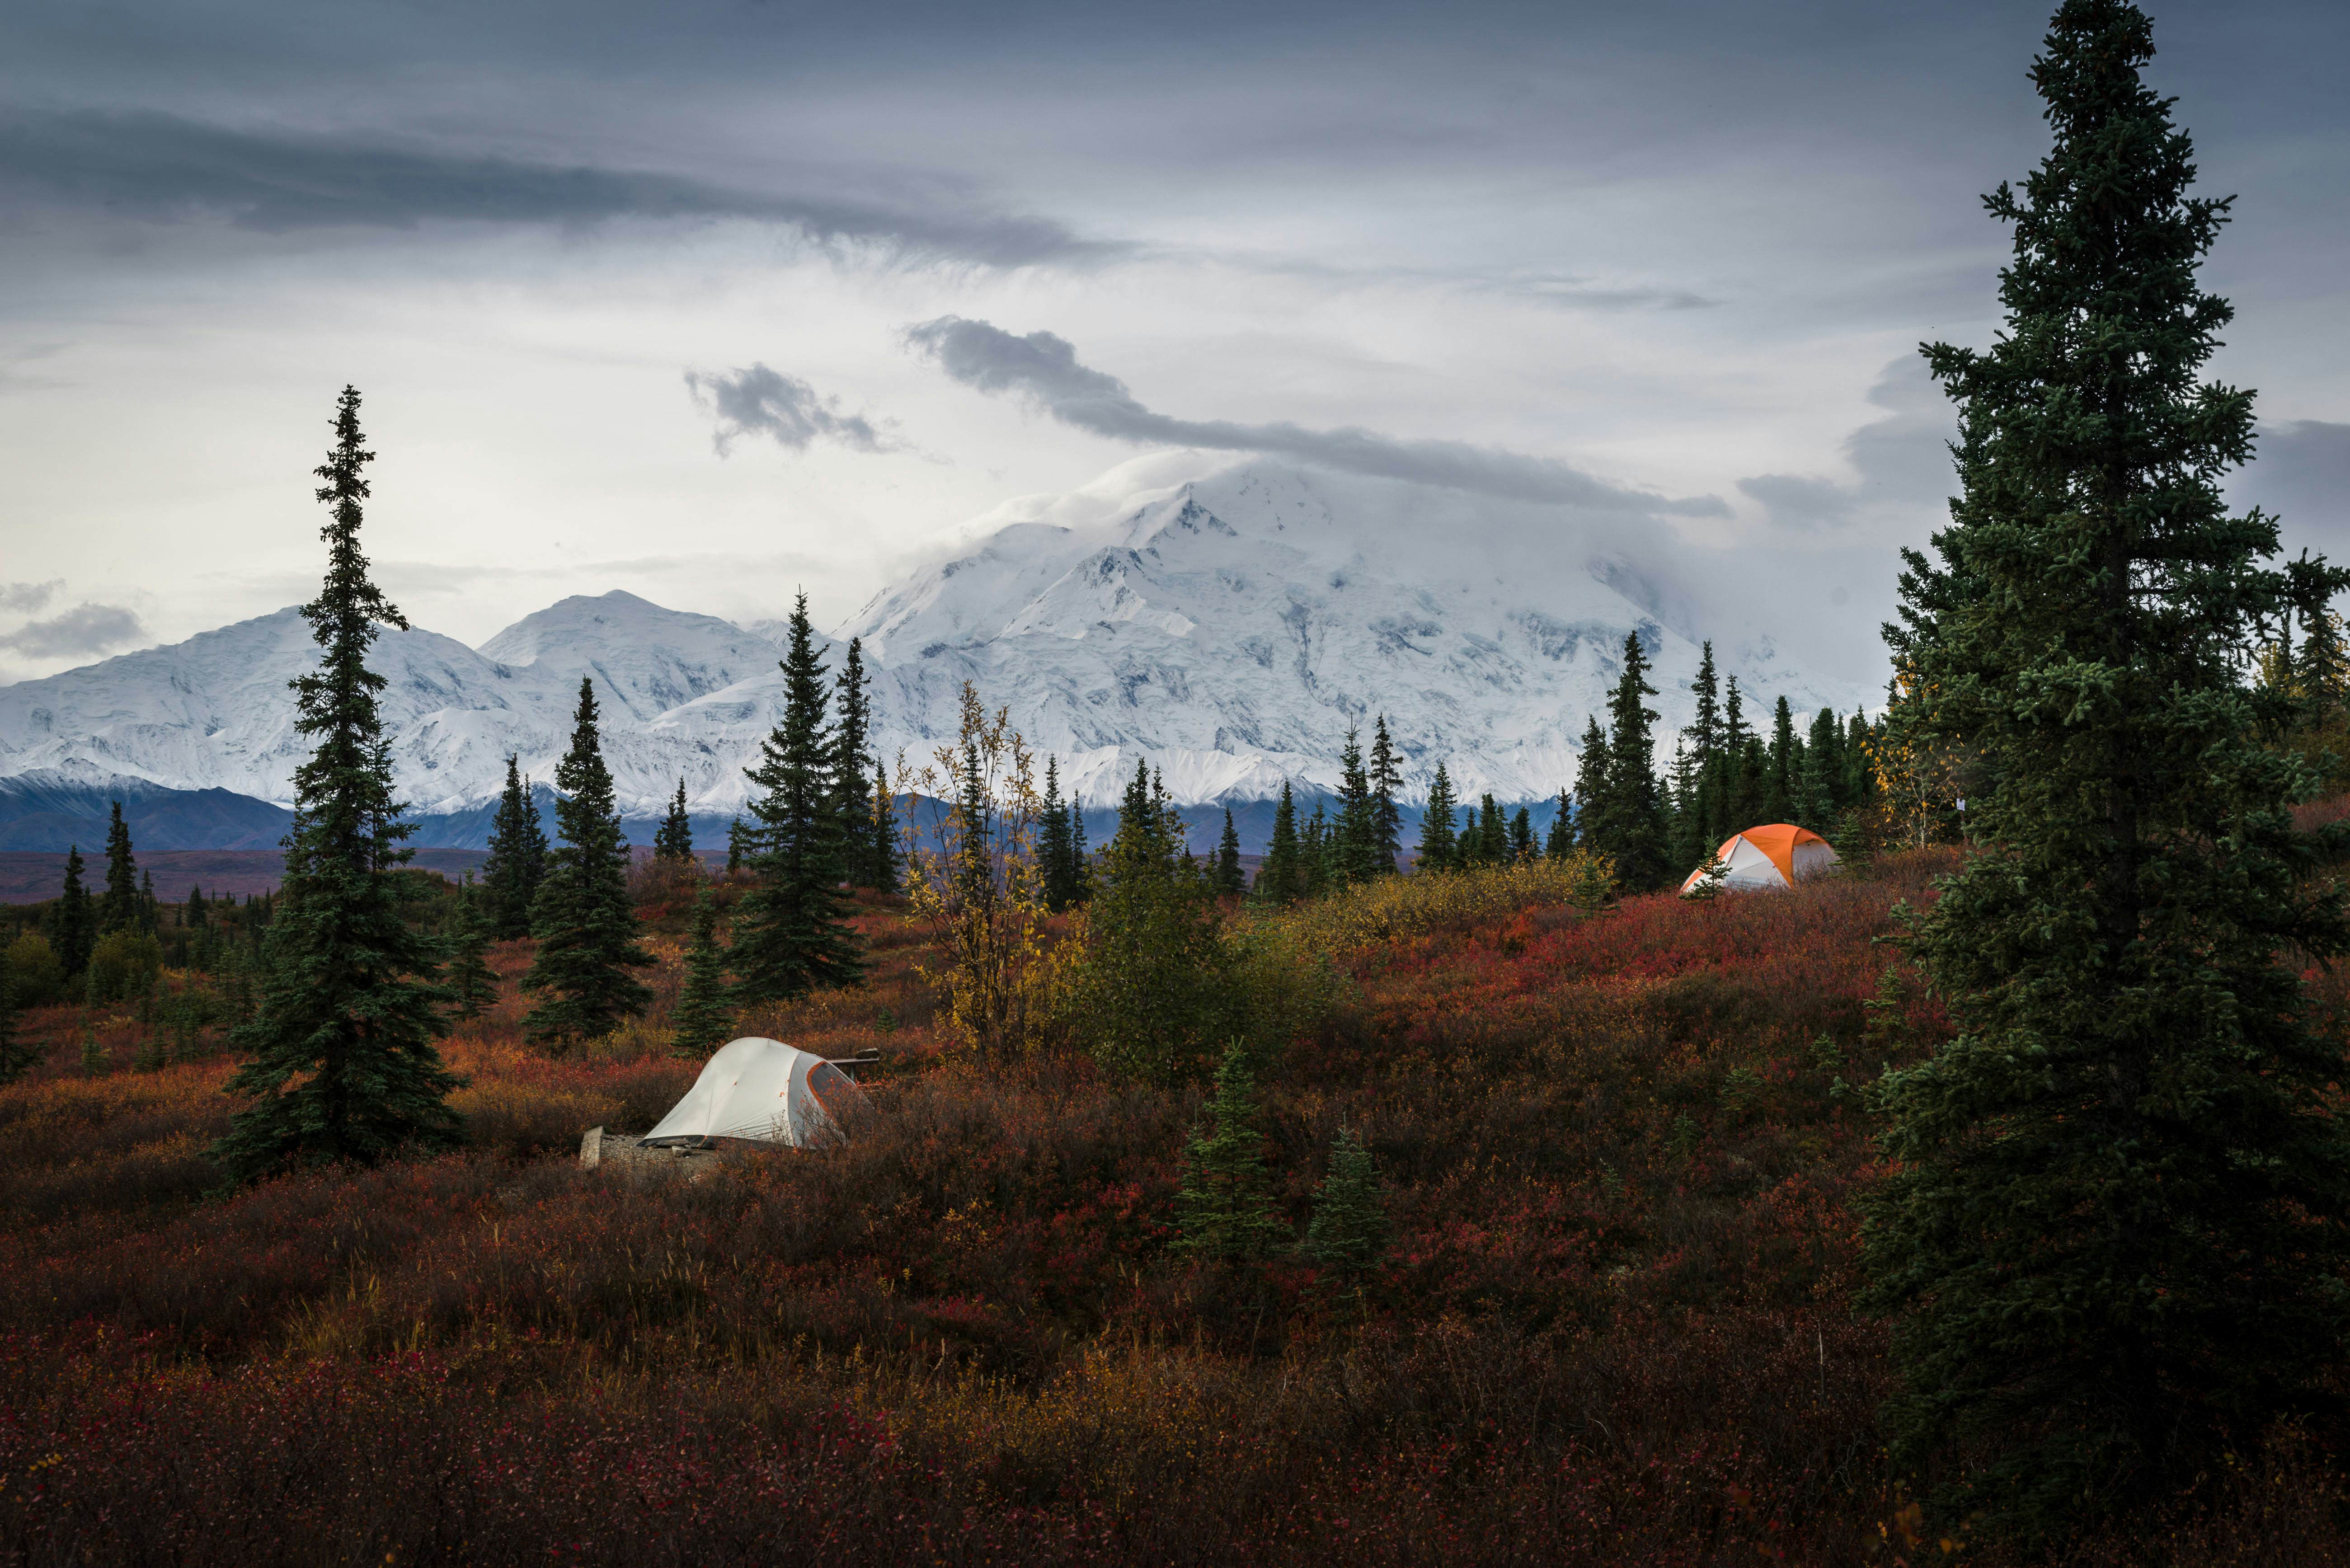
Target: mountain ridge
(1226, 622)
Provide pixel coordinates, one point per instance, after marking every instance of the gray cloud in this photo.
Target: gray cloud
(85, 628)
(1902, 462)
(762, 401)
(1044, 368)
(26, 598)
(162, 167)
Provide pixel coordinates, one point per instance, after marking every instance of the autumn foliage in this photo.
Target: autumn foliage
(1612, 1323)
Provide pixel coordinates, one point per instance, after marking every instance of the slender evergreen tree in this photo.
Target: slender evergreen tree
(2116, 1217)
(518, 852)
(1230, 879)
(792, 933)
(1386, 785)
(1560, 842)
(120, 907)
(738, 842)
(1493, 832)
(341, 1062)
(1438, 848)
(1819, 788)
(1356, 834)
(74, 932)
(197, 915)
(883, 826)
(1522, 835)
(1223, 1207)
(853, 768)
(1281, 880)
(1704, 733)
(1628, 824)
(473, 984)
(1782, 783)
(1348, 1231)
(1056, 846)
(673, 840)
(584, 919)
(1592, 768)
(704, 1018)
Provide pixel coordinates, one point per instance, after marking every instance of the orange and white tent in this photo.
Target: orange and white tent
(1777, 855)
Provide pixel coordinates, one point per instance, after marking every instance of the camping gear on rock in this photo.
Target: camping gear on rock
(763, 1090)
(1774, 857)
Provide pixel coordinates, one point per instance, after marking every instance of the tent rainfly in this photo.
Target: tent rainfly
(1775, 856)
(763, 1090)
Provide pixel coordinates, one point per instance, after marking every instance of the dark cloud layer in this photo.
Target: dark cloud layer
(83, 629)
(1045, 369)
(159, 167)
(764, 401)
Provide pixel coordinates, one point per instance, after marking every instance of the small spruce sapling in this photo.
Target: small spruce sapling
(1224, 1208)
(473, 984)
(704, 1018)
(1348, 1232)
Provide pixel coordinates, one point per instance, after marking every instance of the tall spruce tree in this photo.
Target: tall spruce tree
(1356, 834)
(738, 846)
(2114, 1218)
(1056, 846)
(1493, 832)
(341, 1061)
(1559, 843)
(1630, 826)
(584, 919)
(1230, 881)
(1386, 785)
(704, 1018)
(792, 933)
(517, 855)
(883, 826)
(1439, 850)
(673, 840)
(1281, 879)
(1782, 784)
(1522, 835)
(118, 907)
(853, 769)
(74, 927)
(1704, 732)
(1591, 770)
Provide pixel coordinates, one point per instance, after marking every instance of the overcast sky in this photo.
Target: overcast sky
(713, 299)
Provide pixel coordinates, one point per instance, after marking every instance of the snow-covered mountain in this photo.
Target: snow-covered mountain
(1229, 620)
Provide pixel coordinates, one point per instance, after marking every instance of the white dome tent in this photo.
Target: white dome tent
(760, 1090)
(1772, 857)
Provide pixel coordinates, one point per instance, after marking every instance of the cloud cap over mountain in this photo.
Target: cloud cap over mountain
(1044, 368)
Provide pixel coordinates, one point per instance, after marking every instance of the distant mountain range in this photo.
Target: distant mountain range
(1228, 623)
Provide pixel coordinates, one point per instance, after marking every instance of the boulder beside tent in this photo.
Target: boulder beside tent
(1774, 857)
(762, 1090)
